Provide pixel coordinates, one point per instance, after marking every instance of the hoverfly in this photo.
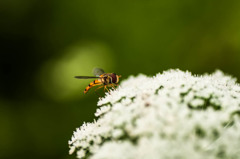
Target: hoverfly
(103, 79)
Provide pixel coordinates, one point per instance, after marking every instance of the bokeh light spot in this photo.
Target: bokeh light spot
(57, 75)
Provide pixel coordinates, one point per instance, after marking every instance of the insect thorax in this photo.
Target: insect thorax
(108, 79)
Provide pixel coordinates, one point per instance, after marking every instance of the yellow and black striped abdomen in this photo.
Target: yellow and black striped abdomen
(92, 84)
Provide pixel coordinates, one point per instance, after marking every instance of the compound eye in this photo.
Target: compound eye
(114, 78)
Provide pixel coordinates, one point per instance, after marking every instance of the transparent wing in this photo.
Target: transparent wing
(98, 71)
(85, 77)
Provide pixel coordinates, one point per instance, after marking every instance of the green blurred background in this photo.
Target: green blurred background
(45, 43)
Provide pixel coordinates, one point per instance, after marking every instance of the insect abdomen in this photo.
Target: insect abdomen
(92, 84)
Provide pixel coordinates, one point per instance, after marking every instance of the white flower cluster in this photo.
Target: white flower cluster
(171, 115)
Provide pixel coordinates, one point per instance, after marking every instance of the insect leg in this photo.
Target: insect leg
(97, 89)
(105, 87)
(113, 85)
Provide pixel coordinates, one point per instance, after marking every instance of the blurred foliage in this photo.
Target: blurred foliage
(45, 43)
